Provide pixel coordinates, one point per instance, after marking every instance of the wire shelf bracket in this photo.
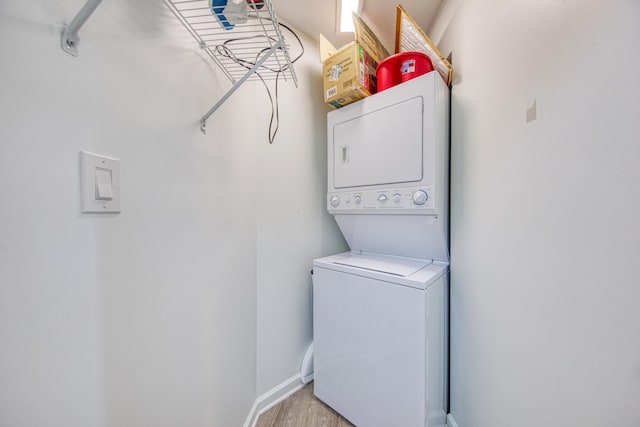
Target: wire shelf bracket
(203, 120)
(249, 47)
(70, 39)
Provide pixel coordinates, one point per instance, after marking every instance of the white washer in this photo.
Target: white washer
(380, 338)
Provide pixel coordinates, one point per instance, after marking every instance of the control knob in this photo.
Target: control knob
(382, 198)
(397, 197)
(357, 199)
(420, 197)
(335, 201)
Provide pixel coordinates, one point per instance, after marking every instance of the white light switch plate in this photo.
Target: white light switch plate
(91, 167)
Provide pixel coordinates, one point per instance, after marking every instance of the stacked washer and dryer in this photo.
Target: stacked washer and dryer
(380, 311)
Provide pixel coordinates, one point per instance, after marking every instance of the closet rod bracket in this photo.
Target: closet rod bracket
(70, 39)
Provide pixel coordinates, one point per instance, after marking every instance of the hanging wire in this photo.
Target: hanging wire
(226, 50)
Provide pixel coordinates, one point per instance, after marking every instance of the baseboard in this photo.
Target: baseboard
(450, 421)
(272, 397)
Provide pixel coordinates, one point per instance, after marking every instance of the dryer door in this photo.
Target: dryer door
(380, 147)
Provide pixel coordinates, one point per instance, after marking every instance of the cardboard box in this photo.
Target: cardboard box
(349, 73)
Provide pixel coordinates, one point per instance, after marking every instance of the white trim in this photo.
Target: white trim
(272, 397)
(450, 421)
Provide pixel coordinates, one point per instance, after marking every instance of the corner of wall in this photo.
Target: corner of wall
(440, 23)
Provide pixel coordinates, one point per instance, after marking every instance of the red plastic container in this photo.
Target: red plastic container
(402, 67)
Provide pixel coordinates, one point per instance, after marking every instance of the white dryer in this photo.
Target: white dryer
(380, 310)
(388, 170)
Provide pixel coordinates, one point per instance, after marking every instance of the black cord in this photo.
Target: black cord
(298, 39)
(272, 136)
(225, 51)
(274, 110)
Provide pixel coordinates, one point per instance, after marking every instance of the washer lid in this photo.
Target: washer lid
(385, 268)
(402, 267)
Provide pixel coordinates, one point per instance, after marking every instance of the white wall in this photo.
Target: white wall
(545, 303)
(148, 317)
(293, 224)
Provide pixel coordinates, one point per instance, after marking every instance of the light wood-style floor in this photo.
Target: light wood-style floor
(302, 409)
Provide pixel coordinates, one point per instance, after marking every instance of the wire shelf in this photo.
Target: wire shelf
(237, 50)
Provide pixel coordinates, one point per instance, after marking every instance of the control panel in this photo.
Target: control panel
(422, 198)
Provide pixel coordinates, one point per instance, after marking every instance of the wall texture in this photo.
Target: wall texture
(293, 224)
(148, 317)
(545, 303)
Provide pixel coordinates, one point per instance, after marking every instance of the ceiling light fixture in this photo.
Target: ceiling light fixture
(343, 18)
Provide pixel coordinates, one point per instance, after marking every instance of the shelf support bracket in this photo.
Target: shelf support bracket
(70, 39)
(236, 85)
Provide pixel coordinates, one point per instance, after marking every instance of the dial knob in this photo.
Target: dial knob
(420, 197)
(382, 198)
(357, 199)
(335, 201)
(397, 197)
